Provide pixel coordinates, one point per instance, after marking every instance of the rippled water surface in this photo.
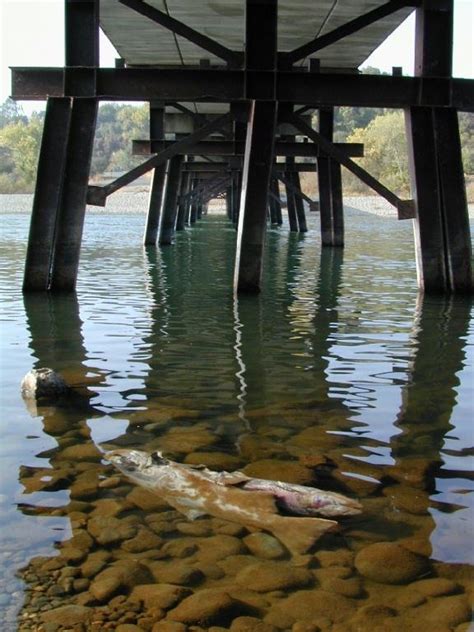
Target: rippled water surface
(338, 375)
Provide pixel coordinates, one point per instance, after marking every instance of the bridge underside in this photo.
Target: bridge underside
(238, 84)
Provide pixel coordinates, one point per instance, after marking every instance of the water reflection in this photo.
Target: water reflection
(331, 378)
(56, 341)
(429, 397)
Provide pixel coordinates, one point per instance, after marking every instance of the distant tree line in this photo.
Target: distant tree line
(20, 139)
(382, 131)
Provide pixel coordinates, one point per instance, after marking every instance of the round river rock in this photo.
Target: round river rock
(389, 563)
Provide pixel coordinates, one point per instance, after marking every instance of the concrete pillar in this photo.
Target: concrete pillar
(170, 202)
(157, 114)
(47, 196)
(74, 195)
(330, 188)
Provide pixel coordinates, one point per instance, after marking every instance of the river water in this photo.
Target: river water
(338, 375)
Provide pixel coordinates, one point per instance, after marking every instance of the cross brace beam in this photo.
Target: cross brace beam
(406, 208)
(294, 189)
(98, 195)
(206, 168)
(237, 148)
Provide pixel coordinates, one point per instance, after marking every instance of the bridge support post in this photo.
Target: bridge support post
(236, 193)
(442, 234)
(261, 54)
(253, 206)
(183, 204)
(170, 202)
(47, 198)
(330, 188)
(157, 114)
(74, 196)
(290, 197)
(275, 188)
(193, 212)
(299, 205)
(63, 170)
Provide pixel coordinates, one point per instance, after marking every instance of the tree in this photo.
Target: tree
(466, 130)
(385, 150)
(117, 127)
(11, 112)
(20, 143)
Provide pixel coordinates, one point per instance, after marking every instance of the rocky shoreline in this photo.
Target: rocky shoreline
(135, 200)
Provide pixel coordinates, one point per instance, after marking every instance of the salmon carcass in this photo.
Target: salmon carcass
(197, 491)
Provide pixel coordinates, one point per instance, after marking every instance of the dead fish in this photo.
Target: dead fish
(197, 491)
(306, 501)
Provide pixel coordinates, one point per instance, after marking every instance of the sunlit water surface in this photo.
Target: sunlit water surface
(338, 366)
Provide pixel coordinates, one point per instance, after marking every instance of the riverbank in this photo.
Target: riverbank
(135, 200)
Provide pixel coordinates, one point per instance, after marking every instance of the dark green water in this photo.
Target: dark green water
(339, 367)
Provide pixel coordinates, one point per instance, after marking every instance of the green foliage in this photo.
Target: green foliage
(381, 131)
(466, 130)
(11, 112)
(19, 146)
(385, 150)
(117, 127)
(347, 119)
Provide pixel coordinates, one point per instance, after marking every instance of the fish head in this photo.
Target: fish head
(338, 506)
(137, 465)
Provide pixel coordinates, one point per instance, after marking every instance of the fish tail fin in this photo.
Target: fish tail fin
(299, 534)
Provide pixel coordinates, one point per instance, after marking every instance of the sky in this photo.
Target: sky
(31, 34)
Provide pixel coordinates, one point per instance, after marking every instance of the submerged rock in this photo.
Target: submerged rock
(121, 576)
(162, 596)
(279, 470)
(251, 624)
(68, 615)
(264, 546)
(43, 383)
(389, 563)
(269, 576)
(311, 605)
(205, 608)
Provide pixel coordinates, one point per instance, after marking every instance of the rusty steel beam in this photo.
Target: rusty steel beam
(223, 86)
(237, 148)
(406, 208)
(292, 187)
(97, 195)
